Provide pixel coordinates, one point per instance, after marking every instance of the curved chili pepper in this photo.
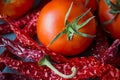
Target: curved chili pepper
(103, 51)
(5, 27)
(29, 42)
(87, 67)
(1, 76)
(13, 76)
(36, 55)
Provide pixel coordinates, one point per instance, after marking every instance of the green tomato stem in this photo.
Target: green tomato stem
(73, 27)
(7, 1)
(46, 62)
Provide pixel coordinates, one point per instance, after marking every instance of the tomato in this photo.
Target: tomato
(93, 4)
(15, 8)
(51, 22)
(110, 20)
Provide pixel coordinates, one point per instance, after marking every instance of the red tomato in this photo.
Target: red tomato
(93, 4)
(105, 15)
(51, 22)
(15, 8)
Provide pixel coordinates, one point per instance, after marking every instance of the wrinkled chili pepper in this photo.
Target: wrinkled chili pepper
(4, 29)
(1, 76)
(13, 76)
(20, 51)
(100, 44)
(2, 66)
(105, 52)
(30, 27)
(36, 55)
(26, 40)
(111, 53)
(87, 67)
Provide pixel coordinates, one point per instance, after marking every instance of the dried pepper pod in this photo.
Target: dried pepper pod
(20, 51)
(87, 67)
(2, 66)
(30, 27)
(13, 76)
(5, 27)
(26, 40)
(1, 76)
(111, 53)
(36, 55)
(100, 44)
(104, 51)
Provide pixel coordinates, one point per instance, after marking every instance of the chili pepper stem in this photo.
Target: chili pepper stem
(47, 63)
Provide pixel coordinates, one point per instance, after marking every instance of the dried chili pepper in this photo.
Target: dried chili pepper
(87, 67)
(111, 53)
(2, 66)
(102, 49)
(1, 76)
(116, 62)
(26, 40)
(20, 51)
(100, 44)
(30, 27)
(36, 55)
(13, 76)
(4, 29)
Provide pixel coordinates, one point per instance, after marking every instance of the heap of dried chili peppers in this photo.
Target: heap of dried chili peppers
(27, 57)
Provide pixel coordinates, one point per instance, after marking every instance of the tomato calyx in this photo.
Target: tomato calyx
(86, 2)
(73, 27)
(7, 1)
(114, 9)
(46, 62)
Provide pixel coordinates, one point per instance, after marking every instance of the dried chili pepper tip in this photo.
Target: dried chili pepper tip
(46, 62)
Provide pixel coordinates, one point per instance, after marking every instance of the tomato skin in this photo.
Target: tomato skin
(104, 15)
(93, 4)
(51, 22)
(15, 8)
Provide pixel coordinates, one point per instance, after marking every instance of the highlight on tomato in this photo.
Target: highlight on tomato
(66, 27)
(15, 8)
(109, 15)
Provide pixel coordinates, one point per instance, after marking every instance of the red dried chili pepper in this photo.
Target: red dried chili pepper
(20, 51)
(86, 68)
(111, 53)
(2, 66)
(116, 62)
(13, 76)
(27, 54)
(30, 27)
(4, 29)
(1, 76)
(100, 44)
(102, 51)
(29, 42)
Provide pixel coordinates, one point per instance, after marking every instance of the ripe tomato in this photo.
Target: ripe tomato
(15, 8)
(107, 17)
(51, 21)
(93, 4)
